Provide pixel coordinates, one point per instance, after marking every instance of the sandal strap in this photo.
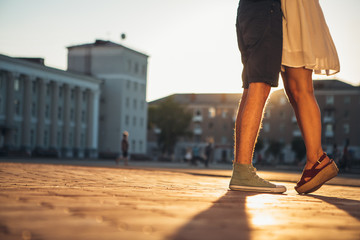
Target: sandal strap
(319, 161)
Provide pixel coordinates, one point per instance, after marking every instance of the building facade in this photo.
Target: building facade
(47, 111)
(213, 121)
(123, 105)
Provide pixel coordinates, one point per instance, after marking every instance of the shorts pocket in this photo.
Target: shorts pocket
(253, 21)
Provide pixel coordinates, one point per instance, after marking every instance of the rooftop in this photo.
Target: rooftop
(105, 43)
(203, 98)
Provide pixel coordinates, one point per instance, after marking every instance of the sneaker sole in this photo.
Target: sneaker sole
(277, 189)
(322, 177)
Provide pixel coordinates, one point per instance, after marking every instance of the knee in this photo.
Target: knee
(259, 91)
(296, 93)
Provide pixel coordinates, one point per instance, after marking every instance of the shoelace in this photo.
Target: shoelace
(253, 171)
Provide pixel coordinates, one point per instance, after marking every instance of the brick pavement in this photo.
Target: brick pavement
(40, 201)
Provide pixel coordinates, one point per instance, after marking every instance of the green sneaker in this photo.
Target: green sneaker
(244, 178)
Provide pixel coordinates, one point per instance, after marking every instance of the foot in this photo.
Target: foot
(315, 175)
(244, 178)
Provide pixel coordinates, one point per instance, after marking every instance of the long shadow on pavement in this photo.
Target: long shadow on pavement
(225, 219)
(350, 206)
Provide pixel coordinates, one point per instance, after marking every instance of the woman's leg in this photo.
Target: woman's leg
(300, 91)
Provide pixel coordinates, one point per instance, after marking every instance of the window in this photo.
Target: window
(70, 139)
(142, 105)
(60, 92)
(329, 132)
(135, 86)
(82, 140)
(136, 67)
(210, 125)
(84, 95)
(72, 114)
(47, 90)
(134, 121)
(59, 113)
(128, 84)
(282, 100)
(347, 99)
(224, 113)
(47, 111)
(211, 112)
(141, 122)
(266, 127)
(58, 137)
(126, 120)
(329, 99)
(72, 94)
(346, 128)
(17, 107)
(140, 145)
(83, 116)
(133, 145)
(33, 109)
(16, 85)
(135, 104)
(34, 86)
(45, 138)
(143, 70)
(127, 103)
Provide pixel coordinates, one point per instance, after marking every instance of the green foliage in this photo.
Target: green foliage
(298, 146)
(172, 119)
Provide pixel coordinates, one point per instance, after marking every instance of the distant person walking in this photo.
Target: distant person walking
(188, 155)
(290, 35)
(124, 149)
(344, 162)
(208, 151)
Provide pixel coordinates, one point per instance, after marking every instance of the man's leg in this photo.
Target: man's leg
(248, 121)
(250, 113)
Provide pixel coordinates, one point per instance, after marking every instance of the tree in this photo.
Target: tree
(173, 121)
(298, 146)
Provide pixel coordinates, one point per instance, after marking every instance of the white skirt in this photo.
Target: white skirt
(306, 38)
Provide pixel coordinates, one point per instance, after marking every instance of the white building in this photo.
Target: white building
(123, 104)
(45, 110)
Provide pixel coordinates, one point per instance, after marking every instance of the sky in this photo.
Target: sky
(191, 43)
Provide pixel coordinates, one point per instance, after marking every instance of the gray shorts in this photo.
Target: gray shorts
(259, 35)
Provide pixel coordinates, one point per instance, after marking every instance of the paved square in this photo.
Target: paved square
(39, 201)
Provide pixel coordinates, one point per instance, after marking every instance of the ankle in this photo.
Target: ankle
(313, 158)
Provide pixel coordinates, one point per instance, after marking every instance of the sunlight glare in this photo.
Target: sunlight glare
(256, 206)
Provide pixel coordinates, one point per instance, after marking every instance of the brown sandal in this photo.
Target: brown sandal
(317, 176)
